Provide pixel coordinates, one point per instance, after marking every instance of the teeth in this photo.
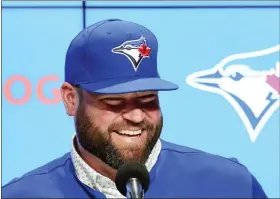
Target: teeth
(127, 132)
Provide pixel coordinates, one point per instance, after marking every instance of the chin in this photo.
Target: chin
(135, 155)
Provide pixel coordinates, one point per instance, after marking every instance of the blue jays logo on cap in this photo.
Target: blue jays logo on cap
(134, 50)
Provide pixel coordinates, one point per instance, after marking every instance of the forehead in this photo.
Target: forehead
(123, 95)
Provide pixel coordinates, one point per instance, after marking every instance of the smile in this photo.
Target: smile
(130, 132)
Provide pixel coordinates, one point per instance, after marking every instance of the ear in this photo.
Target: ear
(70, 98)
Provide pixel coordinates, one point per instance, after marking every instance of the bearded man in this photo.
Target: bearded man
(111, 90)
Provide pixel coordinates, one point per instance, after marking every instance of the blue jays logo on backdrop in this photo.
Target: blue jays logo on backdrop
(134, 50)
(249, 82)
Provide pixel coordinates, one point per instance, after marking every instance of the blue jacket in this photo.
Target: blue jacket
(179, 172)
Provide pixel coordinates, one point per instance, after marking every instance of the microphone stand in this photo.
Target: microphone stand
(134, 189)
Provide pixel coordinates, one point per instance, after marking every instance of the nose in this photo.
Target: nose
(134, 115)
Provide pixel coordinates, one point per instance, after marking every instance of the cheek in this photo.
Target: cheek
(104, 119)
(153, 115)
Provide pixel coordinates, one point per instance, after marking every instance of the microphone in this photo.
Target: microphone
(132, 180)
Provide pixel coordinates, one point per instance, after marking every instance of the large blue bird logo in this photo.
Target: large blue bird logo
(249, 82)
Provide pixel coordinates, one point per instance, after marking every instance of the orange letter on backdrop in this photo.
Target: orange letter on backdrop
(40, 90)
(8, 90)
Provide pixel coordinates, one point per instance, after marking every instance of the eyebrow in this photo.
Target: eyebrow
(120, 98)
(147, 96)
(111, 99)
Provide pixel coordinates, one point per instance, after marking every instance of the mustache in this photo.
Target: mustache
(127, 124)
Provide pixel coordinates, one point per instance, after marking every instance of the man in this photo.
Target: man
(111, 89)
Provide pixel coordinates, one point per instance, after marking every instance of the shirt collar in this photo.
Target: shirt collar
(98, 182)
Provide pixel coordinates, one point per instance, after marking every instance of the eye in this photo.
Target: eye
(113, 103)
(149, 102)
(236, 76)
(128, 47)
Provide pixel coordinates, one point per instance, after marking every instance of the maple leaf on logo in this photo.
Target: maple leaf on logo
(144, 50)
(274, 82)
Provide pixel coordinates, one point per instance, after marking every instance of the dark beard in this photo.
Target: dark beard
(99, 143)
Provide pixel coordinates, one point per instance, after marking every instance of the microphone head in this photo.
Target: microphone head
(132, 170)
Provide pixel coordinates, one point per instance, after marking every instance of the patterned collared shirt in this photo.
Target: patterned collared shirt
(98, 182)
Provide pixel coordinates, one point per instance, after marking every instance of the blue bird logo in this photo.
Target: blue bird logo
(134, 50)
(252, 92)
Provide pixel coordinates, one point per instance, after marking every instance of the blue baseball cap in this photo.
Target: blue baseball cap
(115, 56)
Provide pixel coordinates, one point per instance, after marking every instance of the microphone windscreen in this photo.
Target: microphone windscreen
(132, 170)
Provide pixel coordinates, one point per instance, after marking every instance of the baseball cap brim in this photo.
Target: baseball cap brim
(117, 86)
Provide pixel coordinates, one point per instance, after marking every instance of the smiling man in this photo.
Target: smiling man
(111, 90)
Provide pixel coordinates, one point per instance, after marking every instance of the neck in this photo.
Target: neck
(95, 163)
